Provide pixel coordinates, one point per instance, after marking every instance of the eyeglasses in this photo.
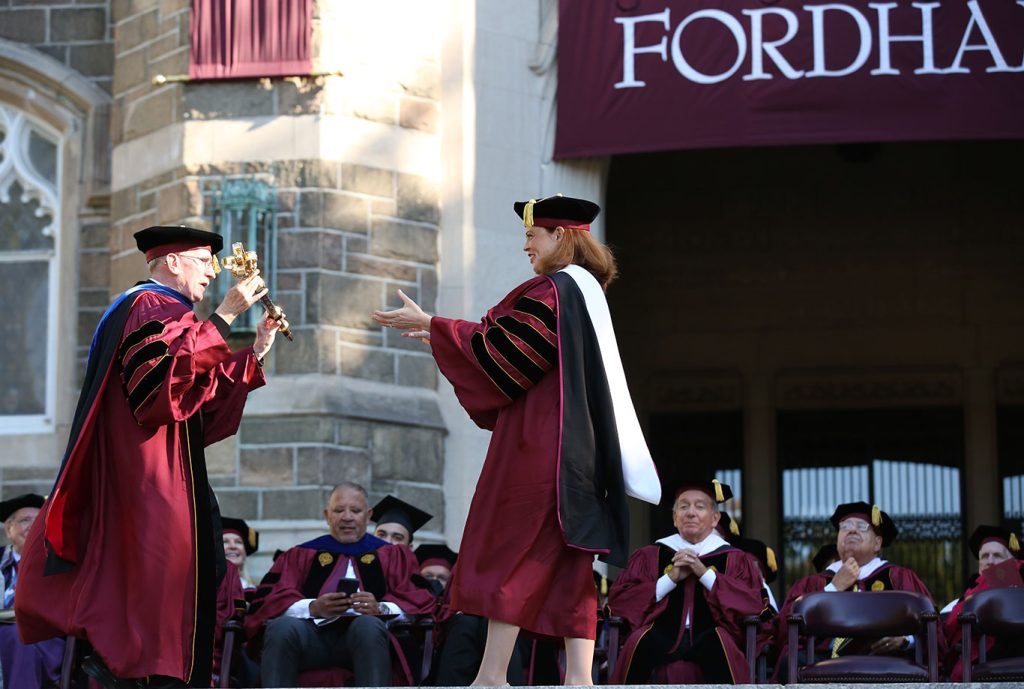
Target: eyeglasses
(205, 261)
(854, 525)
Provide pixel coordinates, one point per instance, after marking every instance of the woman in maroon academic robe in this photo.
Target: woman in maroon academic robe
(541, 371)
(125, 550)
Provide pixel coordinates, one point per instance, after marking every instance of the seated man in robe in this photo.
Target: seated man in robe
(436, 563)
(862, 530)
(685, 598)
(25, 666)
(997, 550)
(321, 604)
(397, 521)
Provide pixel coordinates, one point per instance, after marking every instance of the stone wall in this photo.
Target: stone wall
(77, 34)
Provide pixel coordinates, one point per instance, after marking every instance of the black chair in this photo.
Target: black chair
(992, 612)
(863, 615)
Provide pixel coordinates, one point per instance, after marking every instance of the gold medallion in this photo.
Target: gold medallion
(878, 586)
(325, 559)
(368, 558)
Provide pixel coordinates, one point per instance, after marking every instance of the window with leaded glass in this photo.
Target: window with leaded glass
(29, 225)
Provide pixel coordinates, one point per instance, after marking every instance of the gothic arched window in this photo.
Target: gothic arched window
(30, 163)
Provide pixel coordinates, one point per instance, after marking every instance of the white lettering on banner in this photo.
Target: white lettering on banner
(978, 20)
(760, 48)
(630, 51)
(818, 23)
(730, 23)
(925, 38)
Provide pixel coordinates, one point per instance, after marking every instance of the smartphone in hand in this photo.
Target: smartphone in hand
(348, 586)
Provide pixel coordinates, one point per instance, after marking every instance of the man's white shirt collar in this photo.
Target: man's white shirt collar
(865, 570)
(710, 544)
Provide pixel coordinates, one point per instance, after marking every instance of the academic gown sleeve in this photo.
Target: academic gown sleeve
(736, 593)
(279, 588)
(399, 565)
(175, 366)
(631, 596)
(808, 584)
(905, 579)
(492, 362)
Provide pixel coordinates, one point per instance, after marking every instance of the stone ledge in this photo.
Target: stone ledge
(300, 137)
(341, 396)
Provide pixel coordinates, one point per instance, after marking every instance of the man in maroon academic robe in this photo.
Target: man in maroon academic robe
(685, 598)
(127, 549)
(862, 530)
(308, 619)
(997, 550)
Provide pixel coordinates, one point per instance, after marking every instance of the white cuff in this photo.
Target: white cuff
(911, 642)
(664, 587)
(300, 609)
(830, 587)
(708, 579)
(392, 608)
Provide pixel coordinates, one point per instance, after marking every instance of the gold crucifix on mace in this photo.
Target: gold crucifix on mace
(242, 264)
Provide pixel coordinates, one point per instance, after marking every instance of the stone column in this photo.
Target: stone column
(981, 465)
(761, 495)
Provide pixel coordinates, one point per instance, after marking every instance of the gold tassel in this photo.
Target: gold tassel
(876, 515)
(734, 528)
(528, 213)
(719, 496)
(1014, 543)
(604, 586)
(216, 265)
(773, 564)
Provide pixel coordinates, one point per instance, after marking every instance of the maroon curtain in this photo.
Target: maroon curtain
(250, 38)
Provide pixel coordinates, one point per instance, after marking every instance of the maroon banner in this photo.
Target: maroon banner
(250, 38)
(649, 75)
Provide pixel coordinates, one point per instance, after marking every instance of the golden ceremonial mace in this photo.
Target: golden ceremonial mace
(242, 264)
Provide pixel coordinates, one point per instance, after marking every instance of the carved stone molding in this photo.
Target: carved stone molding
(694, 391)
(849, 388)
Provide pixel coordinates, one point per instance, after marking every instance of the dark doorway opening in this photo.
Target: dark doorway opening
(696, 446)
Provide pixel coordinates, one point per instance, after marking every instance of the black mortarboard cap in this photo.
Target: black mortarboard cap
(436, 553)
(391, 510)
(764, 554)
(9, 507)
(826, 555)
(166, 235)
(557, 211)
(985, 533)
(728, 527)
(250, 536)
(719, 492)
(883, 525)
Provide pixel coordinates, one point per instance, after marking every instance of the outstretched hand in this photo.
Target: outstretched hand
(410, 317)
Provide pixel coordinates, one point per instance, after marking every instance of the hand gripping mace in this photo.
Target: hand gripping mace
(242, 264)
